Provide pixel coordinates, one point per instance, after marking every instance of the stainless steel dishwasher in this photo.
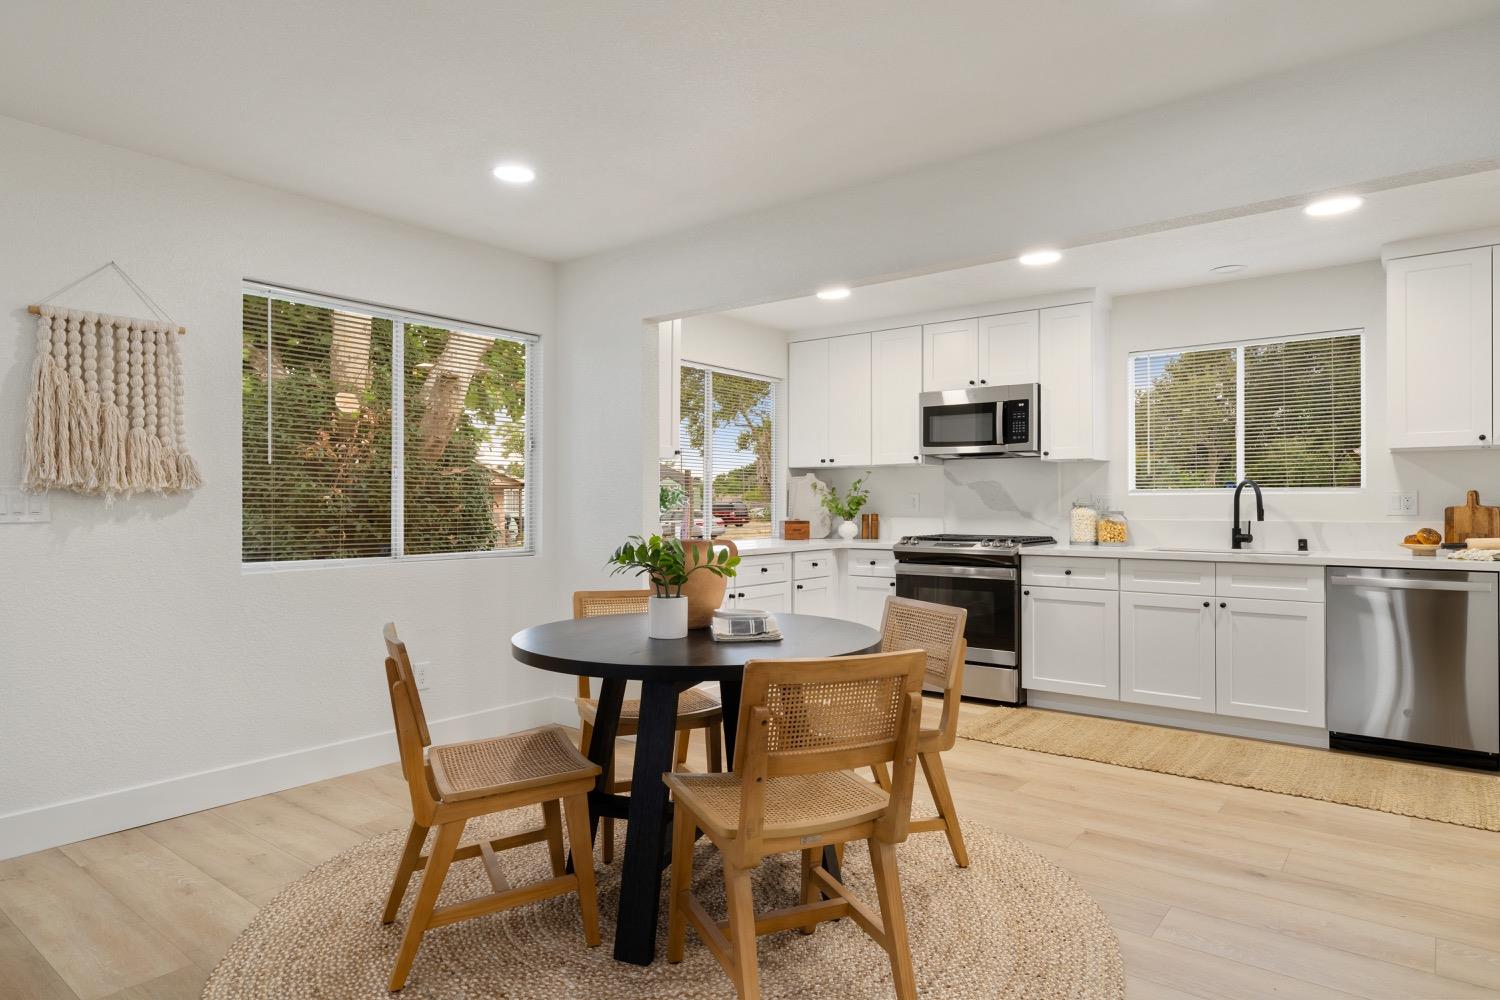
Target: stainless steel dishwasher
(1414, 664)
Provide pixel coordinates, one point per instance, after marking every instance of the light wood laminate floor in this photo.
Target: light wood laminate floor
(1216, 893)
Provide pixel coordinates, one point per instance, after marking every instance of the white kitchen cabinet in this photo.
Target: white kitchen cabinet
(828, 405)
(1008, 346)
(1441, 364)
(895, 388)
(1083, 572)
(950, 355)
(866, 598)
(814, 597)
(1075, 396)
(1167, 650)
(771, 597)
(1269, 660)
(1072, 641)
(669, 388)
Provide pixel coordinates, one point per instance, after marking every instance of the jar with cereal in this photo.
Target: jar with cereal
(1113, 529)
(1083, 524)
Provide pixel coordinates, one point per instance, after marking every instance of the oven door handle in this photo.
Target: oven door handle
(979, 572)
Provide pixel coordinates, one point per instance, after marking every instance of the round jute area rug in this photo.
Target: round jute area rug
(1013, 926)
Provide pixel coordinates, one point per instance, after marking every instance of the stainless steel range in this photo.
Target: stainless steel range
(981, 573)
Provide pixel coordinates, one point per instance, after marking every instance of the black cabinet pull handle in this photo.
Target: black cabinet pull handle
(765, 569)
(799, 586)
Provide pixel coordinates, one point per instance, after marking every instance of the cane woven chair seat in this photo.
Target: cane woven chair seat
(794, 805)
(692, 705)
(530, 759)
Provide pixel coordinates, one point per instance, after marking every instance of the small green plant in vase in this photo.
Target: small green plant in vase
(847, 507)
(667, 564)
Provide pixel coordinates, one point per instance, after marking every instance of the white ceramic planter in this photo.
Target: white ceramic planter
(848, 529)
(667, 617)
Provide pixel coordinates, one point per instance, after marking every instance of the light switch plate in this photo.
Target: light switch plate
(20, 507)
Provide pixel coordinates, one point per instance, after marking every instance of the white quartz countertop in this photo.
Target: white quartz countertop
(775, 546)
(1397, 558)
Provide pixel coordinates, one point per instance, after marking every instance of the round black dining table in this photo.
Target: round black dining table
(617, 649)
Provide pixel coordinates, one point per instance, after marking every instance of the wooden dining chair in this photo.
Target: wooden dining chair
(938, 631)
(804, 726)
(696, 708)
(452, 784)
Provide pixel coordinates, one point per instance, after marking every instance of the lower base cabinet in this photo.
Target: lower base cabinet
(1167, 651)
(1269, 657)
(1072, 641)
(771, 597)
(813, 597)
(867, 595)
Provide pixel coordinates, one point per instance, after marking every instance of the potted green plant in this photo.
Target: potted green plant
(668, 564)
(847, 507)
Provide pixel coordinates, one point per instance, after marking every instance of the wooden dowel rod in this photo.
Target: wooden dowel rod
(37, 311)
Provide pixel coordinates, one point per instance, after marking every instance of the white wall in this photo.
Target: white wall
(726, 342)
(137, 653)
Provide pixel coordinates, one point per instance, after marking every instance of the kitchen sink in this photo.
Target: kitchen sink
(1229, 551)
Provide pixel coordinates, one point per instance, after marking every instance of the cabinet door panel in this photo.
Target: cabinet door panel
(813, 597)
(867, 596)
(849, 400)
(1008, 347)
(771, 597)
(950, 355)
(1072, 641)
(1269, 660)
(1066, 365)
(895, 388)
(1439, 350)
(807, 404)
(1167, 651)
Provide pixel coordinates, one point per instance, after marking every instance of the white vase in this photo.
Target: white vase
(667, 617)
(848, 529)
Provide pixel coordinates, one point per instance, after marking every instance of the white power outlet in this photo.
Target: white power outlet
(423, 671)
(20, 507)
(913, 503)
(1401, 504)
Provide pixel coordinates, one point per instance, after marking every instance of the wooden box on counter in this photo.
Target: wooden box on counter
(796, 531)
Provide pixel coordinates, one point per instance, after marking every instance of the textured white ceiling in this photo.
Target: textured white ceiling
(641, 117)
(1268, 243)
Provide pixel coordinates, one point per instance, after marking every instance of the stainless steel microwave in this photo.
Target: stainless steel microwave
(993, 421)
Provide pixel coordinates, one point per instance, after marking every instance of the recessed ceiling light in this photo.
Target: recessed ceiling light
(514, 173)
(1334, 206)
(834, 294)
(1229, 268)
(1038, 258)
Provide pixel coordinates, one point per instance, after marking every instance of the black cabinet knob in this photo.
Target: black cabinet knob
(1205, 604)
(1482, 437)
(1046, 453)
(1025, 593)
(971, 381)
(765, 569)
(799, 587)
(893, 583)
(1223, 605)
(814, 565)
(872, 562)
(916, 458)
(1067, 572)
(983, 382)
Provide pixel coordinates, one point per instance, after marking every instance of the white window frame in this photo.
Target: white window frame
(530, 508)
(778, 474)
(1238, 346)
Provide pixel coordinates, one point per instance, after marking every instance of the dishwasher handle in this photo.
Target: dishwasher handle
(1391, 583)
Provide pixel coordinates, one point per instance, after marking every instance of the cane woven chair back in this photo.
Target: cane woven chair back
(937, 630)
(598, 603)
(396, 650)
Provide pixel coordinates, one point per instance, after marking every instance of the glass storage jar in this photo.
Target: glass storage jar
(1083, 523)
(1113, 528)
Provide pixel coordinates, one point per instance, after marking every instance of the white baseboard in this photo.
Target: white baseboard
(95, 815)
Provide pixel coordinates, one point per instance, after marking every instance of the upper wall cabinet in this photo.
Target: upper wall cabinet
(1442, 367)
(669, 387)
(950, 355)
(828, 405)
(1075, 394)
(895, 389)
(994, 350)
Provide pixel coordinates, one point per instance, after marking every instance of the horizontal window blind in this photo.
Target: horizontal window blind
(338, 465)
(1287, 413)
(1185, 404)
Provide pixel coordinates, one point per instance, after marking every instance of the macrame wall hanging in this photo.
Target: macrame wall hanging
(106, 412)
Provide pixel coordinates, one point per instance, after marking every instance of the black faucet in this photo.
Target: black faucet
(1238, 538)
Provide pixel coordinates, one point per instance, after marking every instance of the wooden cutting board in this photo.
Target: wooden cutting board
(1473, 520)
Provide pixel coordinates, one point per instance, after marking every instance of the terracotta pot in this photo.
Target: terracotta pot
(704, 590)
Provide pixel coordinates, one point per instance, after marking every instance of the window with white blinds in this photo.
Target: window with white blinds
(1287, 413)
(370, 433)
(726, 479)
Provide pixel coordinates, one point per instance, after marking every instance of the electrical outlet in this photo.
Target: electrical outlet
(1401, 504)
(423, 671)
(913, 503)
(19, 507)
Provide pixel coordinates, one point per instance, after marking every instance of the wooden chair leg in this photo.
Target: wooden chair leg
(608, 833)
(684, 836)
(577, 808)
(552, 817)
(585, 735)
(684, 744)
(404, 869)
(746, 971)
(893, 917)
(812, 857)
(882, 776)
(448, 835)
(937, 781)
(715, 734)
